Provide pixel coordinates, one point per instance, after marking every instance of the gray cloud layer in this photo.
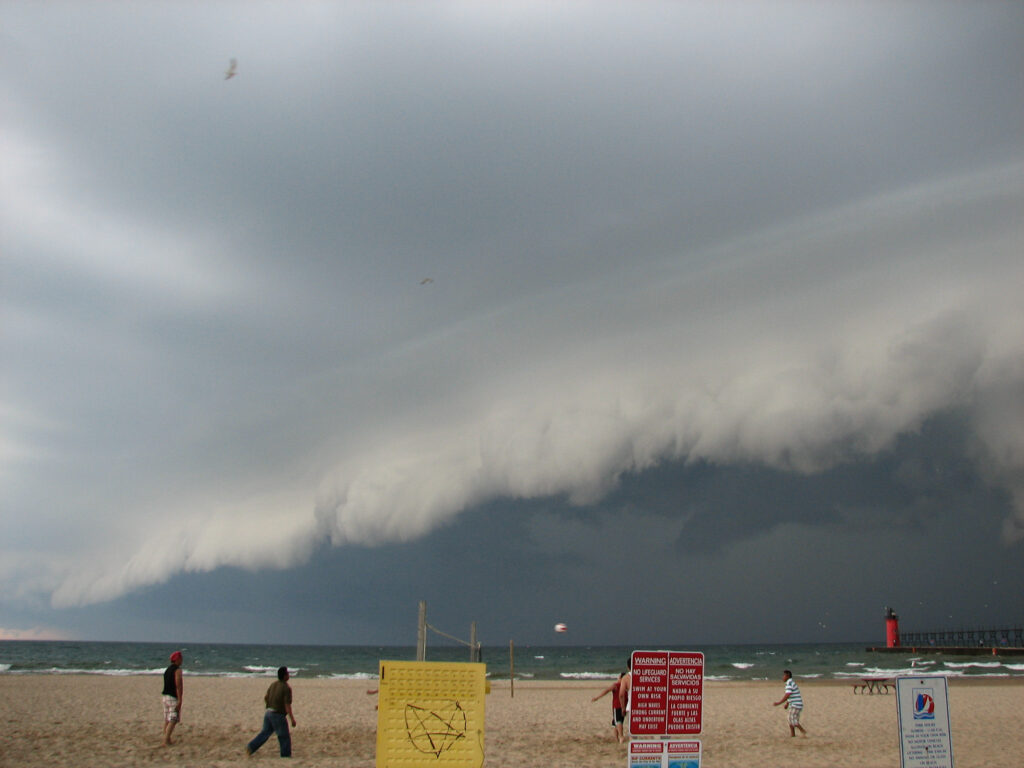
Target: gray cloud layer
(680, 233)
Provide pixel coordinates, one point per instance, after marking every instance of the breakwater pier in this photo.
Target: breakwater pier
(997, 641)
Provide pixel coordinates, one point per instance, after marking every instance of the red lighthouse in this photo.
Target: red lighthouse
(892, 629)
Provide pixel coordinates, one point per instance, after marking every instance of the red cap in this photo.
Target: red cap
(176, 657)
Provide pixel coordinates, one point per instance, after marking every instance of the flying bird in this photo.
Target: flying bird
(232, 69)
(426, 280)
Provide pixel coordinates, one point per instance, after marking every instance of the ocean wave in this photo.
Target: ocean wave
(992, 674)
(874, 672)
(83, 671)
(260, 669)
(117, 672)
(349, 676)
(588, 676)
(225, 675)
(599, 666)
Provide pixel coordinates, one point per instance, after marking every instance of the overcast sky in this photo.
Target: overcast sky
(676, 322)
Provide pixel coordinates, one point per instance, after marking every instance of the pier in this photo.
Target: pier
(951, 650)
(1002, 641)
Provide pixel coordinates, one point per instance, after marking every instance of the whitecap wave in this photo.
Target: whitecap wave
(349, 676)
(991, 674)
(105, 672)
(259, 669)
(588, 675)
(874, 672)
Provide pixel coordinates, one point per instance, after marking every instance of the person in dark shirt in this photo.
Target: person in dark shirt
(174, 688)
(275, 720)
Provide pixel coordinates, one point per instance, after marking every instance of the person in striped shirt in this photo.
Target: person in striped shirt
(794, 702)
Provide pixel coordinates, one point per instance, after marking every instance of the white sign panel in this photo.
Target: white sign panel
(923, 705)
(657, 753)
(683, 754)
(646, 754)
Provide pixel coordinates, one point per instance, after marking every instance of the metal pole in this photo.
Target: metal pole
(512, 668)
(421, 633)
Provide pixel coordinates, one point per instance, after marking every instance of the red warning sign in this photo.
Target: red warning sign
(666, 693)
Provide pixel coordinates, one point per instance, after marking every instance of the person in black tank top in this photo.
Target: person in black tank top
(170, 685)
(172, 695)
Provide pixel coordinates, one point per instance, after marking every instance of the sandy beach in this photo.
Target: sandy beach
(95, 720)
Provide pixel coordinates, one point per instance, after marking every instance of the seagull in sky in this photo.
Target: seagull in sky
(426, 280)
(232, 69)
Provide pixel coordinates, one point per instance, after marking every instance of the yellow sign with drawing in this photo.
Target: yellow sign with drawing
(431, 714)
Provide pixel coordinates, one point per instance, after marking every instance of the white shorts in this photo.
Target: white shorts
(170, 709)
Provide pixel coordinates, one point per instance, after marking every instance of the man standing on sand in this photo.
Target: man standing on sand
(625, 683)
(174, 688)
(794, 702)
(279, 705)
(617, 710)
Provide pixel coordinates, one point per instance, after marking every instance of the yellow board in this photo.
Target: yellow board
(431, 714)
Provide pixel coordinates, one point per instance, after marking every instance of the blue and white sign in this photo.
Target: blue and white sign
(923, 705)
(658, 753)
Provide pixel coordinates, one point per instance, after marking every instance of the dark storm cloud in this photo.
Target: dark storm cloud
(757, 247)
(678, 554)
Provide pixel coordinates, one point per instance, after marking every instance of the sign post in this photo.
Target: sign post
(925, 738)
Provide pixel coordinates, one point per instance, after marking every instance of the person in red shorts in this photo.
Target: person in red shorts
(618, 711)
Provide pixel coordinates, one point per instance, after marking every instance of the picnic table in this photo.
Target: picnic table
(874, 685)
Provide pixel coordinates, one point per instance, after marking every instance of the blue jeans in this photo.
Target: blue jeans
(274, 722)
